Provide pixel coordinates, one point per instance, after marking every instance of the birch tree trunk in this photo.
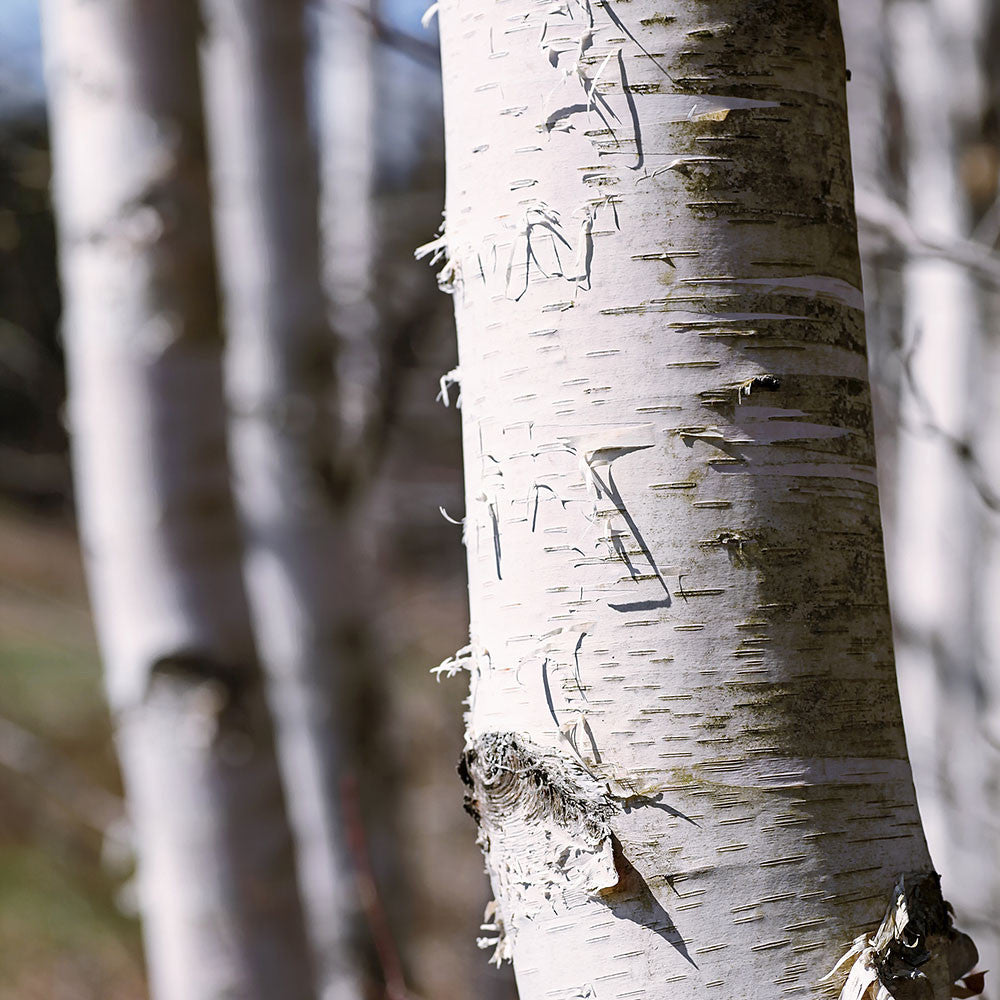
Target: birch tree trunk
(684, 745)
(930, 558)
(280, 379)
(980, 841)
(930, 577)
(344, 71)
(984, 433)
(221, 911)
(937, 591)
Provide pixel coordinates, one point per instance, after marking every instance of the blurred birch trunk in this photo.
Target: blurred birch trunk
(217, 885)
(871, 105)
(984, 435)
(936, 553)
(281, 382)
(684, 743)
(344, 78)
(344, 81)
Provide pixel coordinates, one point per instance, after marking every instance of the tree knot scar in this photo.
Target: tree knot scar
(216, 685)
(213, 701)
(544, 826)
(507, 775)
(741, 547)
(759, 383)
(916, 953)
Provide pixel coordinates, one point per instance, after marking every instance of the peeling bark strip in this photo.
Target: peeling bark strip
(651, 240)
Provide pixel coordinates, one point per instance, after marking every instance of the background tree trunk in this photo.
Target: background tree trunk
(280, 372)
(984, 434)
(874, 119)
(934, 525)
(929, 348)
(374, 348)
(217, 884)
(941, 516)
(345, 82)
(685, 750)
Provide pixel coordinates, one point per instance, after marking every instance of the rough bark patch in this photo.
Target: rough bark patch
(555, 817)
(916, 953)
(505, 774)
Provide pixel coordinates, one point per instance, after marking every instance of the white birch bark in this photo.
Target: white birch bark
(684, 747)
(280, 378)
(217, 884)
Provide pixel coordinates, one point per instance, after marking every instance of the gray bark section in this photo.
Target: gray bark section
(280, 381)
(222, 917)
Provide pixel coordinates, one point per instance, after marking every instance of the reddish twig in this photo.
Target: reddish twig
(371, 904)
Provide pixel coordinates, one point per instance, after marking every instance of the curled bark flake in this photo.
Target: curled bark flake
(767, 383)
(915, 954)
(450, 378)
(449, 277)
(463, 659)
(493, 925)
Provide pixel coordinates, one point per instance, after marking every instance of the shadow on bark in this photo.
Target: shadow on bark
(632, 899)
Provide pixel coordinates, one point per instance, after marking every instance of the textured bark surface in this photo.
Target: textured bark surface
(217, 888)
(280, 380)
(677, 585)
